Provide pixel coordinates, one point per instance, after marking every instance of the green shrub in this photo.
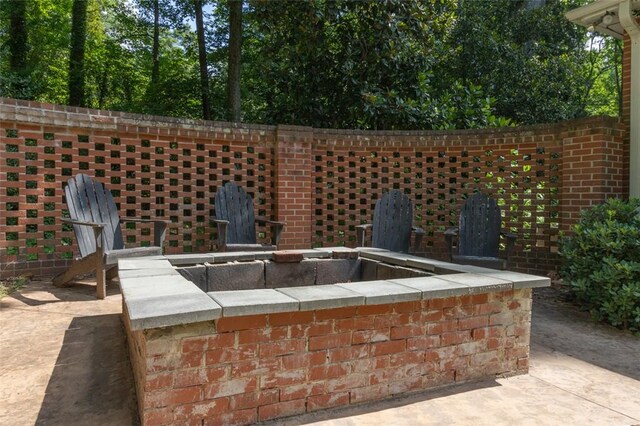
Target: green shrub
(602, 262)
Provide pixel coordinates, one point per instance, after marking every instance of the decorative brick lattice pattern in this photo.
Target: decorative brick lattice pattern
(525, 180)
(150, 177)
(320, 182)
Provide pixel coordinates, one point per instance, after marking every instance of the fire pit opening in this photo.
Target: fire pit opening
(292, 269)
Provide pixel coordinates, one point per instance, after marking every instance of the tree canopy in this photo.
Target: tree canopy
(384, 64)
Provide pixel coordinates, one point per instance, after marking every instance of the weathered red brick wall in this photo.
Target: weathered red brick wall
(240, 370)
(321, 182)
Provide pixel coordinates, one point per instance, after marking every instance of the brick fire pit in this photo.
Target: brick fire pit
(236, 338)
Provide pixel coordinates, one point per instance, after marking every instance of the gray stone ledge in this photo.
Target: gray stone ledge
(520, 280)
(371, 250)
(323, 297)
(420, 263)
(143, 262)
(148, 272)
(434, 287)
(167, 285)
(237, 303)
(166, 311)
(398, 259)
(479, 283)
(382, 292)
(147, 262)
(189, 259)
(453, 268)
(156, 295)
(234, 257)
(162, 300)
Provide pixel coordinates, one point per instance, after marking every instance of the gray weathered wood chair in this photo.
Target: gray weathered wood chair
(392, 224)
(236, 221)
(478, 234)
(96, 225)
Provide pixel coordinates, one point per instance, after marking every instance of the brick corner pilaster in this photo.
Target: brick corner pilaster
(293, 175)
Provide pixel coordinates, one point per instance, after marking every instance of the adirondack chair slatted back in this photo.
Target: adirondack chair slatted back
(232, 203)
(392, 220)
(480, 224)
(89, 201)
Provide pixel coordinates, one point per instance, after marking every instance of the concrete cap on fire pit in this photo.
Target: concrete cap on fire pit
(253, 302)
(379, 292)
(323, 297)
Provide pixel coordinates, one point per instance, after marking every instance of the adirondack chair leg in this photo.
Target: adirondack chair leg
(101, 276)
(159, 233)
(418, 241)
(360, 237)
(78, 267)
(448, 237)
(276, 232)
(222, 236)
(101, 279)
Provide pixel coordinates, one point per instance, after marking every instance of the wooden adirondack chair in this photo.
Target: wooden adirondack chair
(96, 225)
(478, 234)
(392, 224)
(236, 221)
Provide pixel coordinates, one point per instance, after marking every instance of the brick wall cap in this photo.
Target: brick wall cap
(288, 256)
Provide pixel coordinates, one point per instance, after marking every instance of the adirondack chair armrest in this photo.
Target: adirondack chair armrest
(136, 220)
(276, 228)
(360, 232)
(222, 233)
(159, 228)
(452, 232)
(83, 223)
(449, 234)
(511, 241)
(97, 232)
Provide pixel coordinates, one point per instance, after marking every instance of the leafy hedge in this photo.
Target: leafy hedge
(602, 262)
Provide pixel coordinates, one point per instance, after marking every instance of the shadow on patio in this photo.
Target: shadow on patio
(91, 382)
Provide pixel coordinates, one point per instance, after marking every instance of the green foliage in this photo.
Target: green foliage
(384, 64)
(602, 262)
(12, 284)
(530, 59)
(604, 76)
(361, 64)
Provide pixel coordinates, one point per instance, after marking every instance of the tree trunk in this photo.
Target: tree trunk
(202, 55)
(155, 70)
(17, 36)
(76, 57)
(103, 88)
(235, 48)
(18, 47)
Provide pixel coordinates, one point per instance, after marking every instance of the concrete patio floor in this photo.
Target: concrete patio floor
(63, 361)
